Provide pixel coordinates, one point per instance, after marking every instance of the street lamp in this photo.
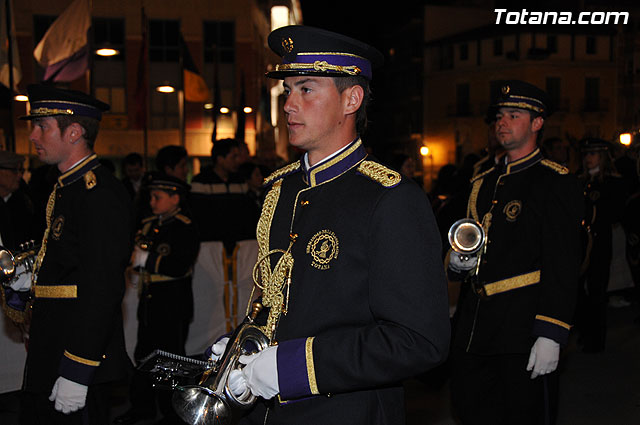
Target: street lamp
(426, 153)
(165, 88)
(625, 139)
(107, 52)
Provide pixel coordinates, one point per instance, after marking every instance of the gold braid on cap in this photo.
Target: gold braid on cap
(320, 66)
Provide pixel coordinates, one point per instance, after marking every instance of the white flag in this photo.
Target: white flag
(66, 35)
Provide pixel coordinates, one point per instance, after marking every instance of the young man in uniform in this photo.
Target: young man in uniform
(76, 344)
(519, 301)
(353, 288)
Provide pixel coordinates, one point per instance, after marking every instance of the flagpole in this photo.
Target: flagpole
(91, 46)
(11, 137)
(145, 57)
(181, 109)
(216, 95)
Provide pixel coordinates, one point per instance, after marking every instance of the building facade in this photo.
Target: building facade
(227, 42)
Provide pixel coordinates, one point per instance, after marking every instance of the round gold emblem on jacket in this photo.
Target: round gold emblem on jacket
(56, 227)
(594, 195)
(512, 210)
(323, 247)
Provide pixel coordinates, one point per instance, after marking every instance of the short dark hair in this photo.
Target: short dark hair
(132, 159)
(222, 147)
(169, 156)
(90, 126)
(343, 83)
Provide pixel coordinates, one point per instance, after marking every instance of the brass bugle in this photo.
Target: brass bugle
(9, 262)
(466, 236)
(212, 402)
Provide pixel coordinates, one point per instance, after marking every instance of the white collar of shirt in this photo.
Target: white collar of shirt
(325, 159)
(70, 168)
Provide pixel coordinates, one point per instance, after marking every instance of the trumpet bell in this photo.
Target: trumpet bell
(7, 266)
(466, 236)
(212, 402)
(198, 405)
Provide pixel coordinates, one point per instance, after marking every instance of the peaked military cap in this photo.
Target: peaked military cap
(314, 51)
(161, 181)
(594, 144)
(48, 101)
(522, 95)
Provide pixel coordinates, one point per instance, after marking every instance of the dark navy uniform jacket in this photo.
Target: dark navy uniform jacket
(367, 303)
(76, 328)
(531, 211)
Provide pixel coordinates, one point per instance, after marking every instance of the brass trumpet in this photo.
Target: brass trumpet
(25, 256)
(211, 401)
(466, 237)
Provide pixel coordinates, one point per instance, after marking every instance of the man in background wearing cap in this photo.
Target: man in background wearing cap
(353, 288)
(17, 213)
(518, 305)
(166, 249)
(604, 199)
(76, 342)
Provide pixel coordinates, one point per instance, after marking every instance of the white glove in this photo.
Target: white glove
(544, 357)
(461, 262)
(238, 384)
(23, 281)
(218, 348)
(261, 372)
(139, 257)
(69, 396)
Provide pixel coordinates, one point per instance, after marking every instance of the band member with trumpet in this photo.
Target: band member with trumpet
(76, 343)
(165, 251)
(349, 266)
(518, 305)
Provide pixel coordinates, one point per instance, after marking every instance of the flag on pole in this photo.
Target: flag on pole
(64, 49)
(8, 46)
(195, 89)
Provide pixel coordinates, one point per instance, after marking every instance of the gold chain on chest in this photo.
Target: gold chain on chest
(272, 282)
(43, 247)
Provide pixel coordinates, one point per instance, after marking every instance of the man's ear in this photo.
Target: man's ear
(353, 97)
(537, 123)
(74, 133)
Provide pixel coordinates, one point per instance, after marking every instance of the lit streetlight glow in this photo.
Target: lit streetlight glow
(107, 51)
(625, 139)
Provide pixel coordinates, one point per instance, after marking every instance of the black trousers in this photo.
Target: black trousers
(36, 409)
(498, 390)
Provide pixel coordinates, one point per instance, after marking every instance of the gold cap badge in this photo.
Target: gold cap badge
(287, 44)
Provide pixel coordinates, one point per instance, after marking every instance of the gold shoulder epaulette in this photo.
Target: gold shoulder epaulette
(90, 180)
(484, 173)
(183, 218)
(287, 169)
(379, 173)
(148, 219)
(560, 169)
